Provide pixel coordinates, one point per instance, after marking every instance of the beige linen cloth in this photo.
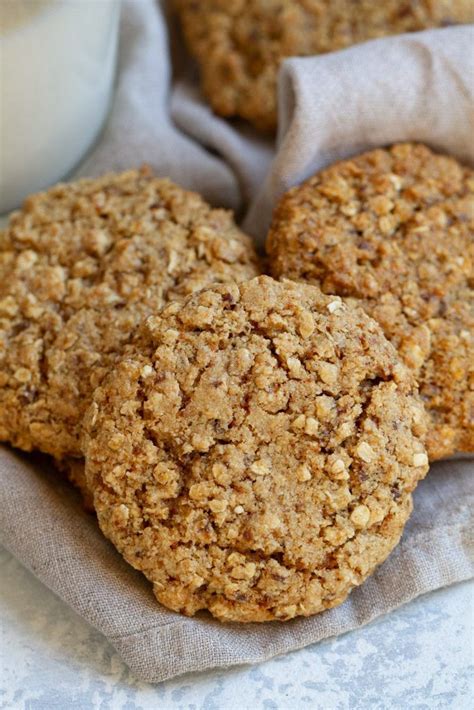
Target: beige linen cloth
(417, 87)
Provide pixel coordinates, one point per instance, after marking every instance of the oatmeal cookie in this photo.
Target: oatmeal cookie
(239, 44)
(394, 229)
(80, 266)
(256, 454)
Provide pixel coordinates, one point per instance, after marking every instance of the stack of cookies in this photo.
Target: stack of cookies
(249, 442)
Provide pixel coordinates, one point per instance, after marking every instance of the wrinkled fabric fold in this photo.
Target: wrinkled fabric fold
(414, 87)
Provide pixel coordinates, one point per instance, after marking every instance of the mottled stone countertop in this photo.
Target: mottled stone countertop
(420, 656)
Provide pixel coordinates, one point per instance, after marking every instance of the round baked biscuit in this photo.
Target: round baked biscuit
(256, 454)
(80, 266)
(240, 44)
(394, 229)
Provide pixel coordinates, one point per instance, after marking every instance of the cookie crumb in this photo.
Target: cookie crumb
(303, 473)
(420, 459)
(360, 516)
(365, 452)
(334, 306)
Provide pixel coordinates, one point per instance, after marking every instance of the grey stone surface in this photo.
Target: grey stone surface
(420, 656)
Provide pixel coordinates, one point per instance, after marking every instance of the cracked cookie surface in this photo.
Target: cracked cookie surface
(80, 266)
(256, 454)
(394, 229)
(240, 44)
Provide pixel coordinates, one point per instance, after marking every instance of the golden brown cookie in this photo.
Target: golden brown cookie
(394, 229)
(256, 454)
(80, 266)
(239, 44)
